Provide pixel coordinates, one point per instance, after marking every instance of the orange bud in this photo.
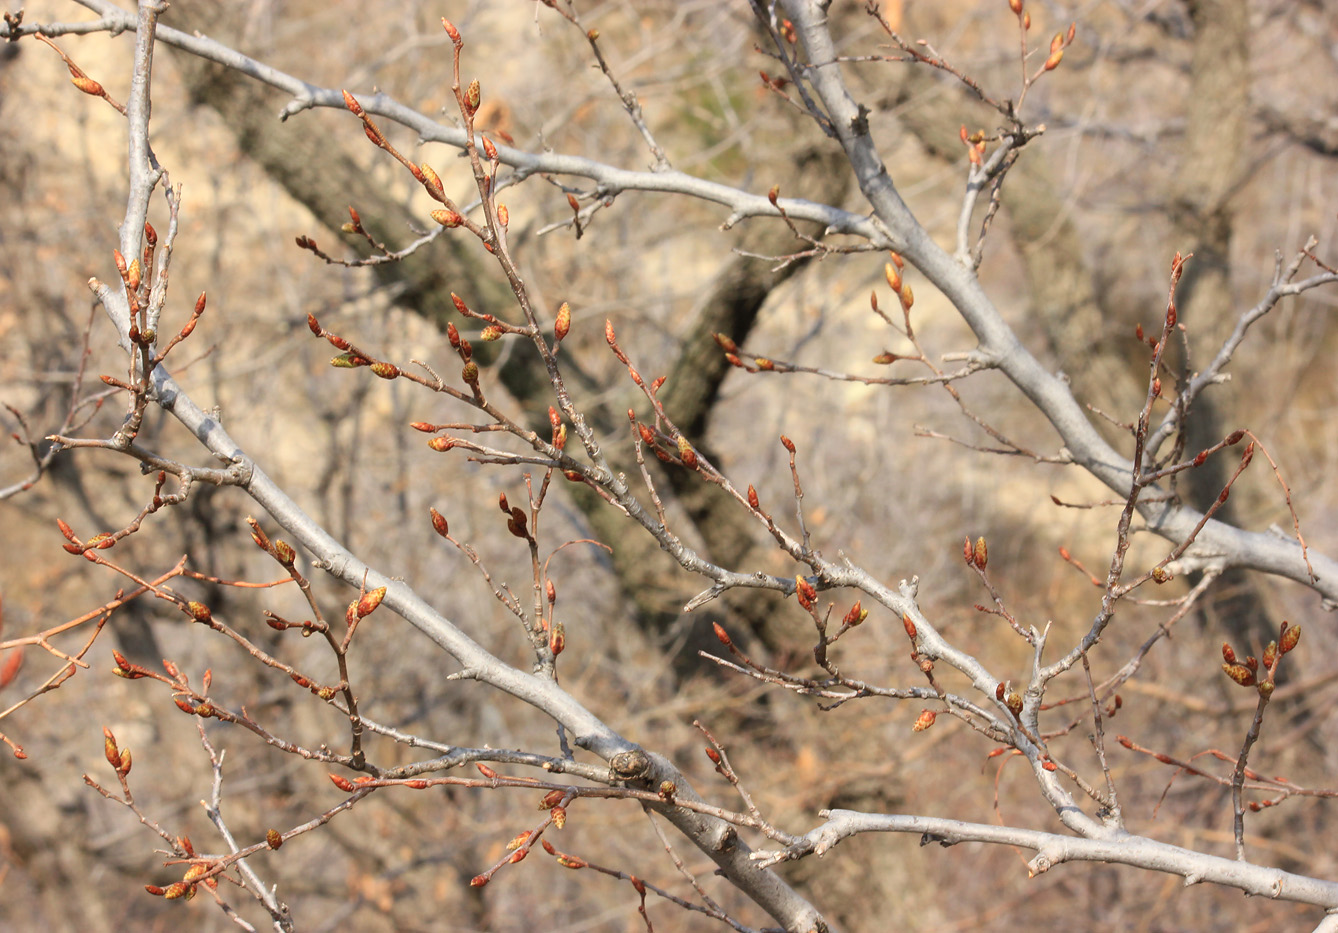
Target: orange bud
(447, 218)
(1015, 5)
(774, 194)
(968, 551)
(432, 182)
(487, 772)
(982, 553)
(1228, 653)
(907, 296)
(109, 749)
(386, 370)
(924, 720)
(890, 271)
(450, 30)
(686, 453)
(88, 85)
(787, 443)
(1053, 61)
(342, 783)
(563, 323)
(503, 215)
(1239, 673)
(473, 96)
(725, 342)
(490, 333)
(909, 624)
(199, 611)
(1291, 634)
(753, 501)
(370, 600)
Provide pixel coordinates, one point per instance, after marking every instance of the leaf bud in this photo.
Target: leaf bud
(909, 625)
(368, 602)
(982, 553)
(273, 838)
(199, 611)
(386, 370)
(447, 218)
(473, 96)
(432, 182)
(1291, 634)
(924, 720)
(563, 323)
(1239, 673)
(892, 274)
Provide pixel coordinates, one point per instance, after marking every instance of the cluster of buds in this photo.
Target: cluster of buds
(892, 272)
(975, 145)
(118, 758)
(1247, 672)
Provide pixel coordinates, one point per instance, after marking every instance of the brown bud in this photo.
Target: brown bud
(885, 358)
(109, 749)
(478, 881)
(1270, 654)
(563, 323)
(551, 799)
(199, 611)
(1291, 634)
(856, 615)
(484, 770)
(774, 194)
(179, 889)
(968, 551)
(982, 553)
(285, 553)
(123, 767)
(686, 453)
(273, 838)
(1228, 653)
(470, 374)
(1239, 673)
(1234, 438)
(924, 720)
(753, 501)
(342, 783)
(1266, 688)
(490, 151)
(787, 443)
(370, 600)
(725, 342)
(557, 639)
(441, 444)
(518, 840)
(1014, 703)
(1161, 574)
(386, 370)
